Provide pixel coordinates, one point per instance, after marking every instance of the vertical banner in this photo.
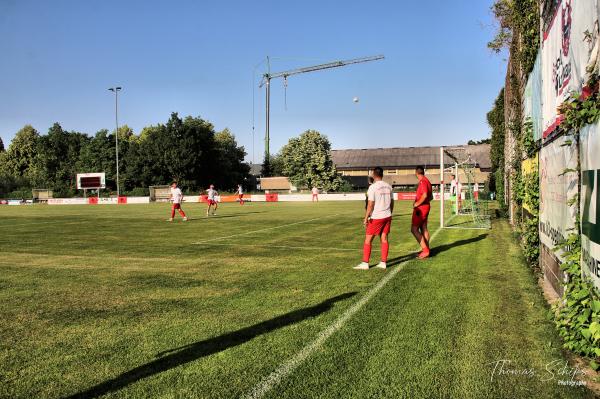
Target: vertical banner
(532, 98)
(556, 188)
(590, 193)
(566, 50)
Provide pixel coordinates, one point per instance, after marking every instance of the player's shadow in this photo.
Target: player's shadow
(176, 357)
(437, 250)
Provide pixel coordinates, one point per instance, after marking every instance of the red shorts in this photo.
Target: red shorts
(377, 227)
(176, 206)
(420, 214)
(212, 202)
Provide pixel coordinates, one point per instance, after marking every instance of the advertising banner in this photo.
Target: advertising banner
(556, 188)
(532, 98)
(590, 193)
(566, 50)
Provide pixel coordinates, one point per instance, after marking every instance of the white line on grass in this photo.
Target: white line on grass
(281, 246)
(265, 229)
(283, 371)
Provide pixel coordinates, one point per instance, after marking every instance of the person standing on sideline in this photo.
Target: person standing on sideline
(240, 192)
(212, 200)
(176, 199)
(378, 219)
(315, 194)
(476, 192)
(421, 212)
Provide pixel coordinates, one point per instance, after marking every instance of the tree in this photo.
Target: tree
(477, 142)
(230, 158)
(1, 145)
(19, 160)
(58, 153)
(276, 166)
(495, 119)
(307, 162)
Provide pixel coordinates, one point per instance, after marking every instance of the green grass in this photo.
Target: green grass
(114, 300)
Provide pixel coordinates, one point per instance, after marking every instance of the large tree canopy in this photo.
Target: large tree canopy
(306, 160)
(187, 150)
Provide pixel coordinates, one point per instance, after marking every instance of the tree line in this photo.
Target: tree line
(187, 150)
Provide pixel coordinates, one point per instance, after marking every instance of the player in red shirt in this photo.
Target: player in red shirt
(421, 212)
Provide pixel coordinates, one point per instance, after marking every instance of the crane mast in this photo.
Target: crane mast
(267, 77)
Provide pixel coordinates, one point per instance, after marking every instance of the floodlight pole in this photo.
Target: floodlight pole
(442, 187)
(116, 91)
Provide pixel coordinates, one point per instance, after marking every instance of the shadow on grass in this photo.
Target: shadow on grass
(437, 250)
(189, 353)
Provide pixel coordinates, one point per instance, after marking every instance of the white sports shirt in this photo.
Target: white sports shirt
(315, 191)
(211, 193)
(240, 190)
(176, 195)
(381, 193)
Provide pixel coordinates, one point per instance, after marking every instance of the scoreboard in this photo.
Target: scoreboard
(86, 181)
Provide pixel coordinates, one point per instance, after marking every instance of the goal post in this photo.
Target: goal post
(461, 207)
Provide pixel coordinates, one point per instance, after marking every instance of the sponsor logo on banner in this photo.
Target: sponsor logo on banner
(565, 55)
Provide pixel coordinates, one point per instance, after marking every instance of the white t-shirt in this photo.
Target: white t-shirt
(453, 186)
(176, 195)
(381, 193)
(315, 191)
(476, 187)
(211, 193)
(240, 190)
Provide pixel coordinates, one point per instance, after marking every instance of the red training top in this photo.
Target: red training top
(425, 188)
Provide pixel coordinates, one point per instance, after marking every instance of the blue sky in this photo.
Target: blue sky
(197, 58)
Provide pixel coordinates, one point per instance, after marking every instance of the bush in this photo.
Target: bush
(137, 192)
(20, 194)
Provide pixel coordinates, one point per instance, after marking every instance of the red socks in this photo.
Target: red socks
(172, 212)
(182, 213)
(366, 252)
(385, 248)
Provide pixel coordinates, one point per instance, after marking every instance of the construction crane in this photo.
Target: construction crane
(267, 77)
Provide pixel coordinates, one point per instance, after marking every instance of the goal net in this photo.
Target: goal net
(462, 206)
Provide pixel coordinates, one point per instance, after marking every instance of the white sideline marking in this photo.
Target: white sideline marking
(268, 383)
(265, 229)
(282, 246)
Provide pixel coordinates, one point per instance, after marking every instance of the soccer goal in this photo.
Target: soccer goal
(461, 205)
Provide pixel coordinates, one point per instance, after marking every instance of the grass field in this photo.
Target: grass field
(262, 301)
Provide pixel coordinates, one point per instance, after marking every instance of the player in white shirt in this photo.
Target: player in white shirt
(240, 192)
(212, 200)
(315, 194)
(176, 199)
(378, 219)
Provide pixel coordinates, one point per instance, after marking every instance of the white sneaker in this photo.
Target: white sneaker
(169, 219)
(185, 219)
(362, 266)
(381, 265)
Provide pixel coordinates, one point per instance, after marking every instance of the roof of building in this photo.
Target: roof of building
(405, 157)
(275, 183)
